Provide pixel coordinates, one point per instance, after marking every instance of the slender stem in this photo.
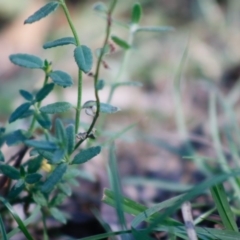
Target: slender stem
(70, 22)
(97, 72)
(31, 128)
(79, 96)
(45, 234)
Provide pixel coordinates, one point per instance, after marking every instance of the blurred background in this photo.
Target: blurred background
(164, 120)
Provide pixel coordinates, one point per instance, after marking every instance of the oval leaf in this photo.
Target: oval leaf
(60, 132)
(15, 137)
(100, 84)
(26, 95)
(27, 114)
(86, 155)
(58, 155)
(33, 178)
(54, 178)
(65, 188)
(44, 120)
(42, 12)
(42, 145)
(60, 42)
(120, 42)
(19, 112)
(57, 107)
(16, 189)
(43, 92)
(58, 215)
(136, 13)
(40, 199)
(26, 60)
(46, 155)
(70, 133)
(10, 171)
(34, 164)
(61, 78)
(104, 107)
(83, 58)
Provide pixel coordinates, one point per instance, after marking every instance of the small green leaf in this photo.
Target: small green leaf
(65, 188)
(104, 107)
(2, 159)
(3, 230)
(19, 112)
(58, 156)
(33, 178)
(154, 29)
(70, 134)
(61, 78)
(86, 155)
(26, 95)
(42, 145)
(46, 155)
(54, 178)
(42, 12)
(57, 107)
(34, 164)
(16, 137)
(100, 84)
(71, 173)
(40, 199)
(26, 60)
(107, 108)
(58, 200)
(43, 120)
(28, 113)
(83, 58)
(58, 215)
(100, 7)
(105, 50)
(10, 171)
(136, 13)
(43, 92)
(16, 189)
(60, 42)
(120, 42)
(60, 132)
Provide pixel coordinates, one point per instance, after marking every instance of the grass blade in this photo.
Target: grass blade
(3, 231)
(17, 219)
(223, 207)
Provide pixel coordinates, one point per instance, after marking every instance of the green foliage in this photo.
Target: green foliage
(44, 91)
(60, 42)
(70, 135)
(26, 95)
(19, 112)
(54, 178)
(16, 189)
(42, 12)
(83, 58)
(61, 78)
(120, 42)
(136, 13)
(10, 171)
(58, 107)
(33, 178)
(58, 215)
(42, 145)
(26, 60)
(86, 154)
(16, 137)
(2, 159)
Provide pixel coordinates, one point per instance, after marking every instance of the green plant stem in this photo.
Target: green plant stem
(45, 234)
(79, 96)
(97, 71)
(31, 128)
